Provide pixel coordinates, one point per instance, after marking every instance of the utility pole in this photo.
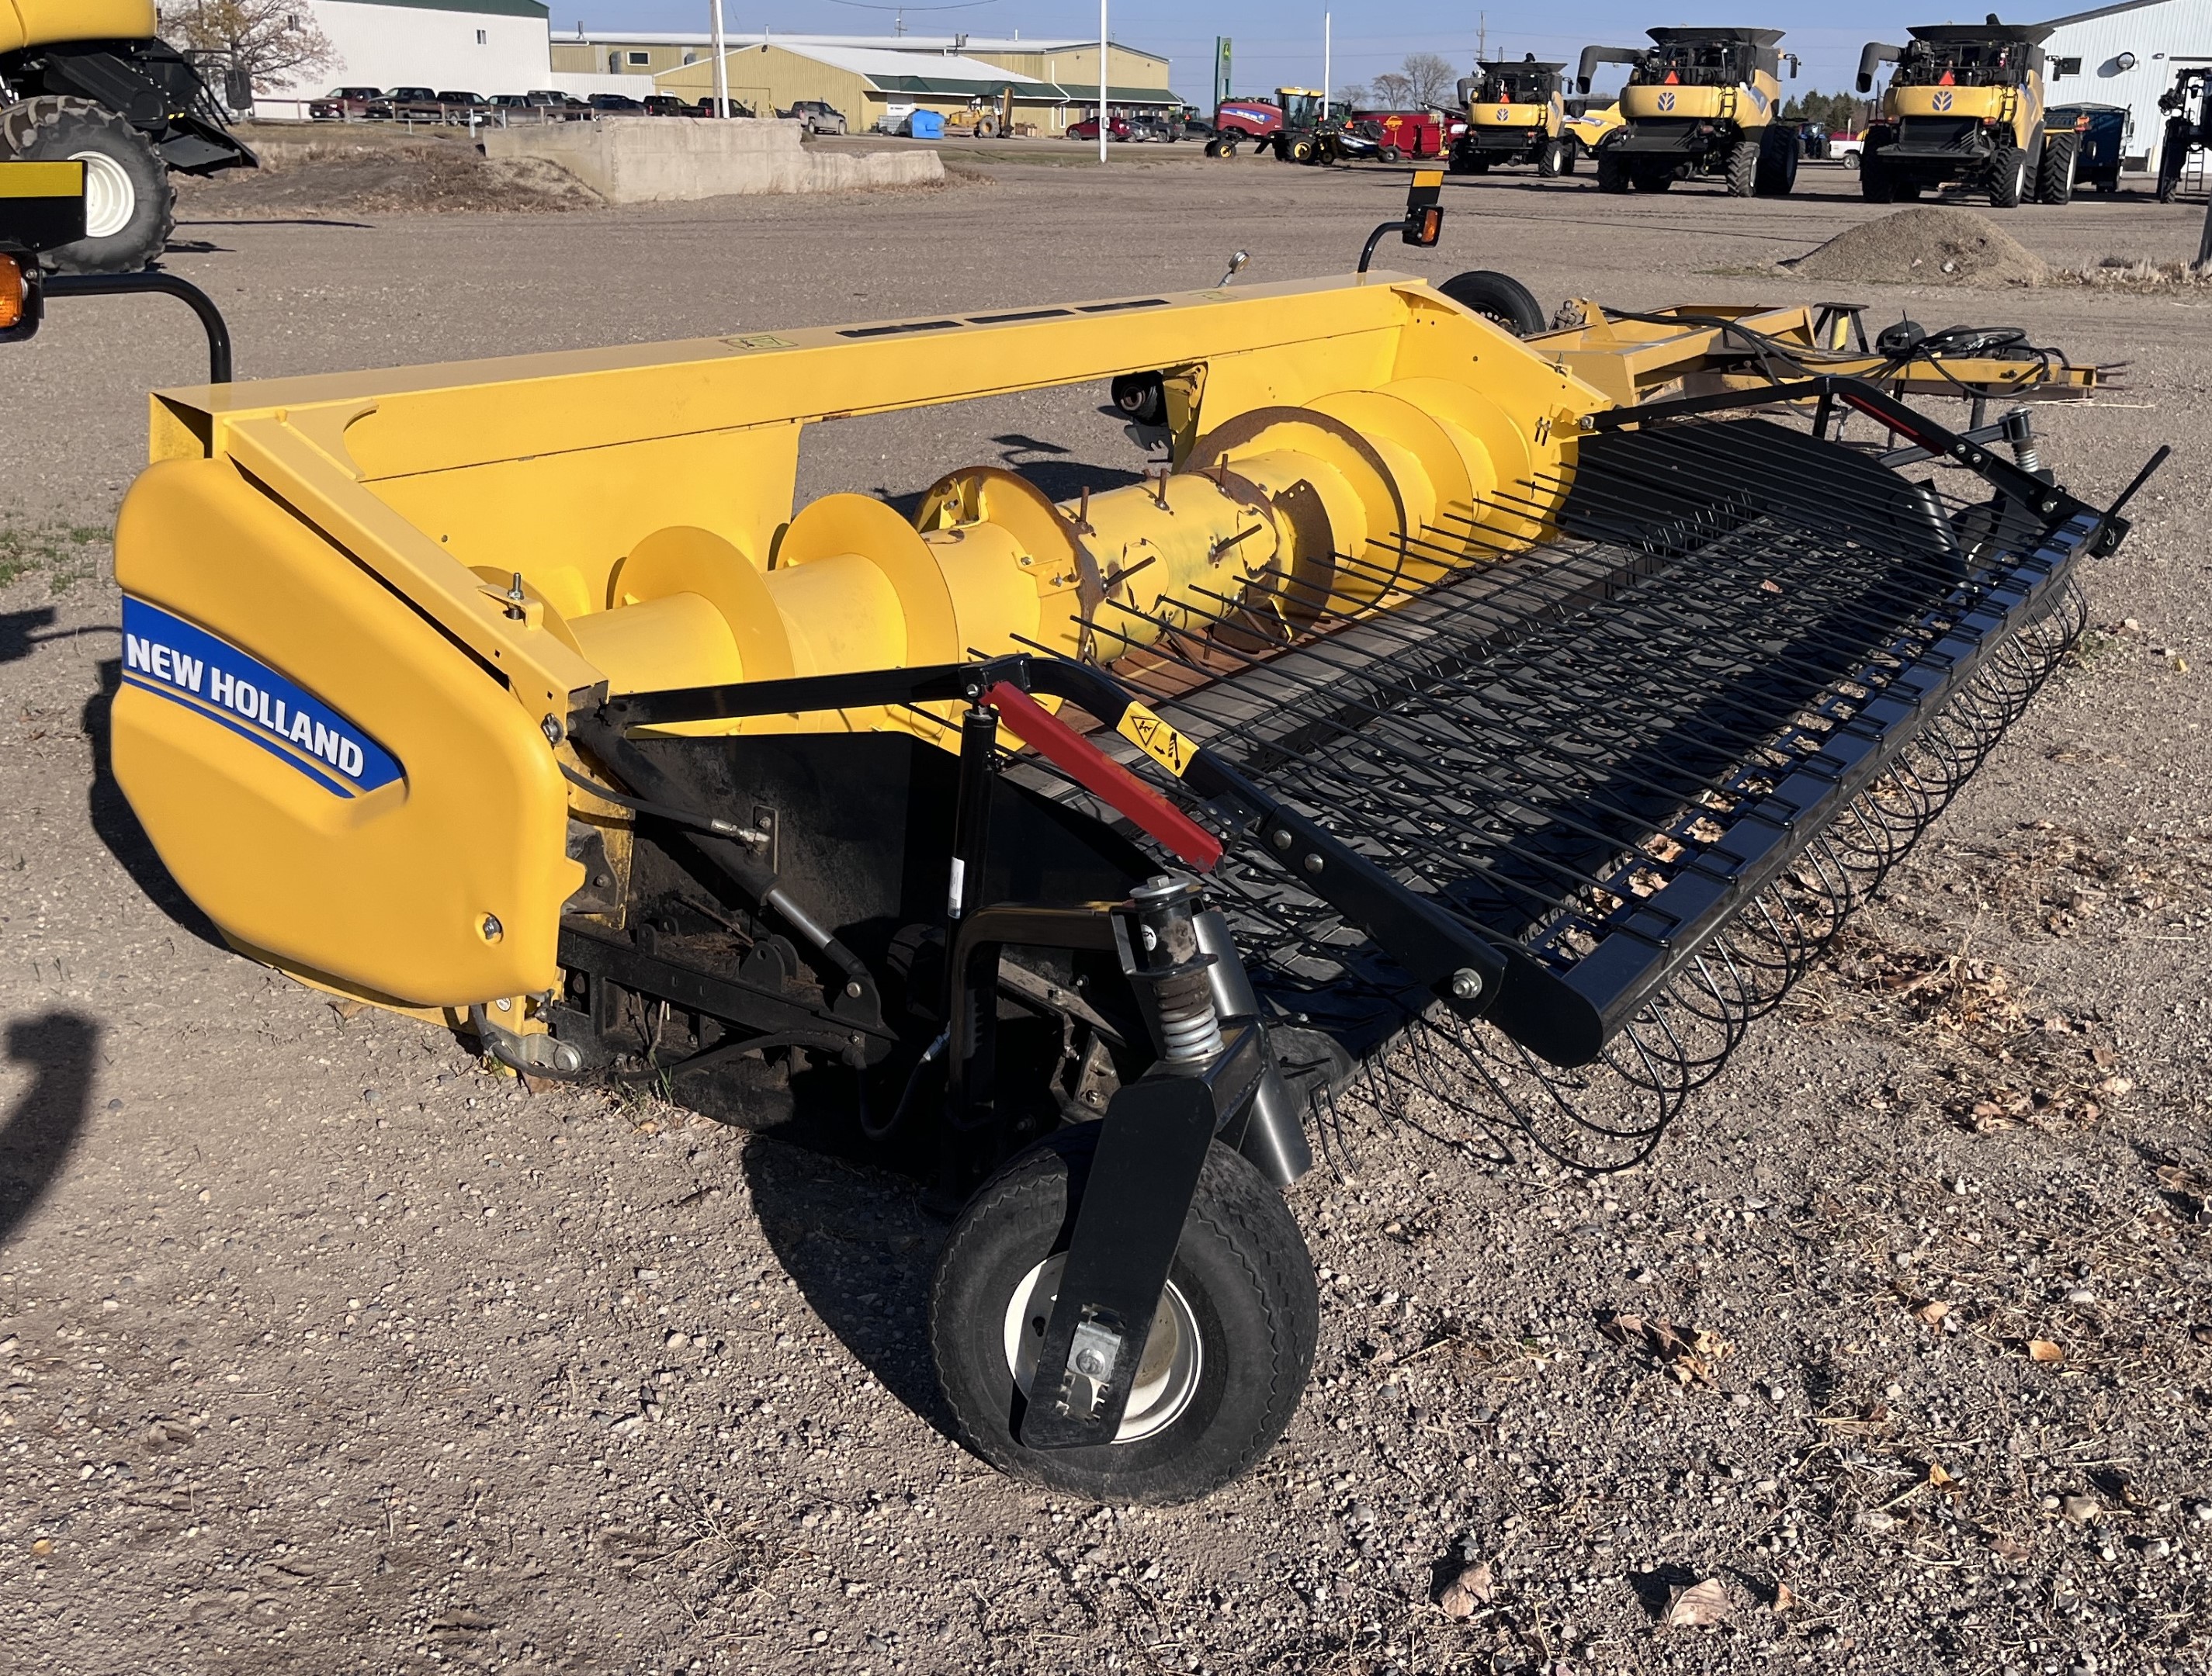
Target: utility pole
(1105, 82)
(721, 66)
(1482, 37)
(1327, 46)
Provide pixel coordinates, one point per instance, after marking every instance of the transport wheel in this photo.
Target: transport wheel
(1500, 298)
(2008, 178)
(1388, 153)
(1222, 1371)
(1612, 171)
(1654, 180)
(1554, 160)
(1740, 168)
(1215, 148)
(128, 205)
(1299, 151)
(2054, 177)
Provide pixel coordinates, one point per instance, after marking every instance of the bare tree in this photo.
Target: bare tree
(274, 42)
(1429, 79)
(1392, 90)
(1353, 94)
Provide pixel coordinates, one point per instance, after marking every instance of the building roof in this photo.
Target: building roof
(2027, 33)
(943, 75)
(919, 45)
(2105, 11)
(481, 8)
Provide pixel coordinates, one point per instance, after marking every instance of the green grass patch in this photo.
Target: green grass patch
(65, 553)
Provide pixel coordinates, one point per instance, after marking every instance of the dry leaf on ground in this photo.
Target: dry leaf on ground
(1699, 1607)
(1471, 1588)
(2041, 1350)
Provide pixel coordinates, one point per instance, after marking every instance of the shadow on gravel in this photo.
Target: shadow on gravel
(861, 1248)
(119, 828)
(17, 638)
(40, 1133)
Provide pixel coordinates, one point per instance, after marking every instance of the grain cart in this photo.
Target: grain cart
(1698, 102)
(1455, 723)
(1514, 115)
(85, 81)
(2188, 127)
(1966, 105)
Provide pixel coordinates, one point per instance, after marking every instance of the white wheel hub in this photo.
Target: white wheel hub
(110, 199)
(1167, 1373)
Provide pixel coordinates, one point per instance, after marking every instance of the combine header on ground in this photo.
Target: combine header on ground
(1484, 731)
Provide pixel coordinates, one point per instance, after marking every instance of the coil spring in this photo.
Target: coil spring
(1190, 1027)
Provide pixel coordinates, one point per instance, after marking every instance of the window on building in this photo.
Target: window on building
(641, 57)
(2065, 67)
(484, 38)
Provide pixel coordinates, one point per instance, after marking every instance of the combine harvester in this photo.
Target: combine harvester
(1698, 102)
(1515, 114)
(1474, 729)
(1966, 105)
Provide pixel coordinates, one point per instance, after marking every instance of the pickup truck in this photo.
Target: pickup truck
(816, 116)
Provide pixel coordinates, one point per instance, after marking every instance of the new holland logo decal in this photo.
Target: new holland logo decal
(168, 657)
(1943, 99)
(1666, 101)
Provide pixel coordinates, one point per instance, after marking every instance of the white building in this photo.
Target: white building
(2127, 55)
(480, 46)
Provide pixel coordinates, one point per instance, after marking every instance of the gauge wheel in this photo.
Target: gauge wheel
(1222, 1370)
(1499, 298)
(128, 205)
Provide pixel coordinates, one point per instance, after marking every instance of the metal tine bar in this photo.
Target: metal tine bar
(1658, 654)
(1378, 747)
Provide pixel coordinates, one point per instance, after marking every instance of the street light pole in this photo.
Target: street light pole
(721, 66)
(1103, 81)
(1328, 45)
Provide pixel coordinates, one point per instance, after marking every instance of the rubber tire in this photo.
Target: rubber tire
(1851, 160)
(1778, 152)
(1653, 180)
(1243, 1268)
(2054, 176)
(1612, 171)
(1215, 148)
(2007, 177)
(1906, 192)
(1554, 159)
(1499, 298)
(1740, 168)
(1297, 151)
(54, 130)
(1388, 153)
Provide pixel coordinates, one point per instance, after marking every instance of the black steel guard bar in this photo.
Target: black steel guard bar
(42, 286)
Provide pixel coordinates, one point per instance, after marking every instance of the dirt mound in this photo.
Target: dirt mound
(1925, 245)
(387, 179)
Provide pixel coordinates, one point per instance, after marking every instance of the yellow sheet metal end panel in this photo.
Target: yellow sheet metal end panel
(1937, 101)
(42, 22)
(327, 776)
(1648, 100)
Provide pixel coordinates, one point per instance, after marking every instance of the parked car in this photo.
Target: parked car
(668, 104)
(1088, 129)
(816, 116)
(557, 106)
(1197, 128)
(1845, 149)
(615, 105)
(340, 104)
(705, 107)
(403, 103)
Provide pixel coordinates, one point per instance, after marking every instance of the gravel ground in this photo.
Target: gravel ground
(320, 1349)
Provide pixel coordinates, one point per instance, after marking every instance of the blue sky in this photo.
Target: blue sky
(1279, 42)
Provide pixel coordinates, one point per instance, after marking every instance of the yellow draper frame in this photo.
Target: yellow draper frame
(452, 556)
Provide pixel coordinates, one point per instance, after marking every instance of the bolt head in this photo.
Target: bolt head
(1467, 983)
(550, 727)
(1090, 1362)
(491, 928)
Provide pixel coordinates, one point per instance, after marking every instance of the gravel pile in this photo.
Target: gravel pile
(1925, 245)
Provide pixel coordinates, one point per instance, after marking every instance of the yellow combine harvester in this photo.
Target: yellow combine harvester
(1965, 103)
(1698, 102)
(1514, 115)
(1458, 724)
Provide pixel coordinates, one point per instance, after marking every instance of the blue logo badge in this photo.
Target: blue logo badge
(167, 656)
(1667, 101)
(1943, 98)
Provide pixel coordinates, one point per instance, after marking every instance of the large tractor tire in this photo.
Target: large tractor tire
(2054, 176)
(1299, 150)
(1777, 162)
(1225, 1360)
(130, 206)
(1612, 171)
(2008, 178)
(1555, 158)
(1740, 168)
(1499, 298)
